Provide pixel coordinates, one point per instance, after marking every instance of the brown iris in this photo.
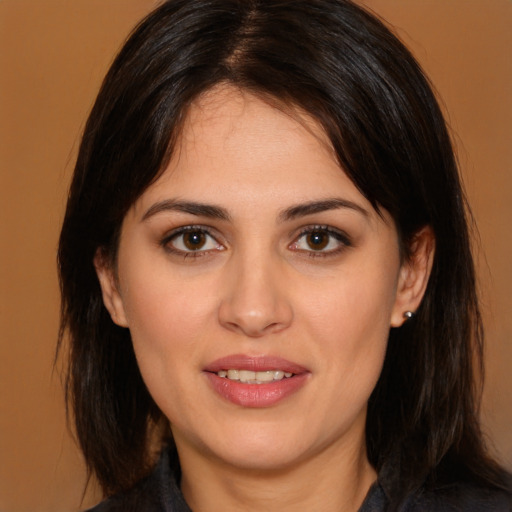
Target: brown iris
(194, 240)
(317, 240)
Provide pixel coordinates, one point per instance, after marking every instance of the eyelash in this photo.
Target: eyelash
(202, 230)
(342, 238)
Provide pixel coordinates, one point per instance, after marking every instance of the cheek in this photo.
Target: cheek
(352, 304)
(166, 321)
(168, 330)
(168, 318)
(350, 319)
(159, 301)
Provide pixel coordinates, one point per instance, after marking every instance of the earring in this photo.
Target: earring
(409, 315)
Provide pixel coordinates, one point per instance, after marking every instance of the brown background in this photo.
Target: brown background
(53, 54)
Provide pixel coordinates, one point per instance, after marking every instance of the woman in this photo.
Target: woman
(266, 272)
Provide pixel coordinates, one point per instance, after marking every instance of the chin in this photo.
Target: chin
(266, 458)
(268, 448)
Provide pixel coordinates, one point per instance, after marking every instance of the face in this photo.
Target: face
(259, 287)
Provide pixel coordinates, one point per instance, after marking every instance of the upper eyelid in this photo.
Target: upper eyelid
(191, 227)
(294, 235)
(343, 240)
(323, 227)
(166, 242)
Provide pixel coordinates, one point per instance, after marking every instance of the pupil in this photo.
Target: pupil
(317, 240)
(194, 240)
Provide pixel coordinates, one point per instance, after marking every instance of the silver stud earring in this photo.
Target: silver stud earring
(408, 315)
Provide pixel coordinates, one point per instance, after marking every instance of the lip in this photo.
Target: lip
(255, 364)
(255, 395)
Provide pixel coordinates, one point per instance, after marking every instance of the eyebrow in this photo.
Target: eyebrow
(199, 209)
(302, 210)
(217, 212)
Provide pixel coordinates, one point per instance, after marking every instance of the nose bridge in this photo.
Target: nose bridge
(254, 301)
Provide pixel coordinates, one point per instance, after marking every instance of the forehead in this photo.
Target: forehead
(227, 106)
(229, 134)
(240, 148)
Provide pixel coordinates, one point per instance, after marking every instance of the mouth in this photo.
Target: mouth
(251, 377)
(255, 381)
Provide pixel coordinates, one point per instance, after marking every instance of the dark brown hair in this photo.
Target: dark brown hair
(347, 70)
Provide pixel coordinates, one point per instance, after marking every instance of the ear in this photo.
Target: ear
(414, 275)
(109, 288)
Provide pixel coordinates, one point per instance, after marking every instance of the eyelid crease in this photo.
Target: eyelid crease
(187, 229)
(331, 230)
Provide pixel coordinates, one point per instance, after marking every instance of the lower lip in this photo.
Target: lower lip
(256, 395)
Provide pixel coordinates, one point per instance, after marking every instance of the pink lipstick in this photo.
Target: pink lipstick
(260, 381)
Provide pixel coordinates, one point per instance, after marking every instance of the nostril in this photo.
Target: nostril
(255, 326)
(253, 304)
(249, 330)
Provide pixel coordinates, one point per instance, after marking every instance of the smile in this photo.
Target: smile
(255, 381)
(250, 377)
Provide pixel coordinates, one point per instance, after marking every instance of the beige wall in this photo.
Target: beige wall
(53, 54)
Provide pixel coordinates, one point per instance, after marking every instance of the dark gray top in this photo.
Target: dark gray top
(159, 492)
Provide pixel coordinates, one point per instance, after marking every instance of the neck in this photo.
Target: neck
(336, 479)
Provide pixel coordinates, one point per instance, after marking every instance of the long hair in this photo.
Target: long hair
(349, 72)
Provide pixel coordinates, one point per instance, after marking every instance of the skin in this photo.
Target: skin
(258, 287)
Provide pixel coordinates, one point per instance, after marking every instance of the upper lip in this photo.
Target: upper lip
(254, 363)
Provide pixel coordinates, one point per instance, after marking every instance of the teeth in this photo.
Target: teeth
(246, 376)
(233, 375)
(250, 377)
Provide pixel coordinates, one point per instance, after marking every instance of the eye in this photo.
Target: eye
(191, 239)
(321, 239)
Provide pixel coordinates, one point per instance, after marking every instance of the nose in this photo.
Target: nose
(254, 301)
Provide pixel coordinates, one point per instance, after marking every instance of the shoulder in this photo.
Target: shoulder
(144, 497)
(461, 497)
(158, 492)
